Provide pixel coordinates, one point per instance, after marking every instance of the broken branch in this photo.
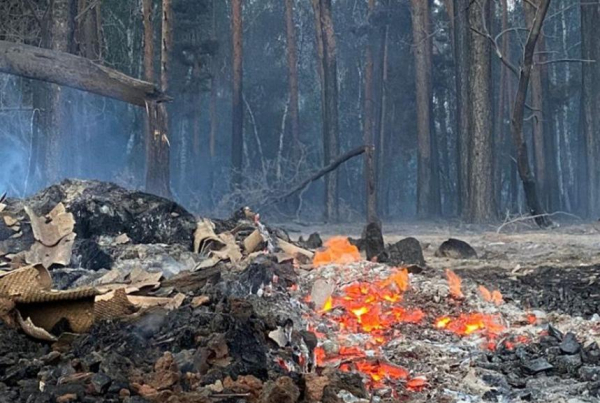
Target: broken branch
(322, 172)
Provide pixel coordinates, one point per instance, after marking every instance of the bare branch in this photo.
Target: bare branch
(564, 61)
(34, 12)
(86, 9)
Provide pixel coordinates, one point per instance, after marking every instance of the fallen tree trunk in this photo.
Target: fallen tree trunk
(75, 72)
(319, 174)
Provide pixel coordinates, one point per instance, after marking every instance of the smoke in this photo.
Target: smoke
(100, 139)
(13, 166)
(15, 135)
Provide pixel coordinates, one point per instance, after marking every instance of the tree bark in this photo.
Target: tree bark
(422, 53)
(527, 177)
(481, 176)
(501, 161)
(369, 127)
(316, 5)
(537, 99)
(35, 173)
(590, 49)
(292, 61)
(212, 110)
(383, 109)
(76, 72)
(330, 84)
(237, 131)
(158, 147)
(87, 32)
(148, 41)
(60, 31)
(461, 62)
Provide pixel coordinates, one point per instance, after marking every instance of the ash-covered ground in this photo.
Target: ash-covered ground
(181, 308)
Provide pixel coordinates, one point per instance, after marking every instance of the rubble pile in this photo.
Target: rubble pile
(108, 295)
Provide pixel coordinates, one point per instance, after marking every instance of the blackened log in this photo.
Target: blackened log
(75, 72)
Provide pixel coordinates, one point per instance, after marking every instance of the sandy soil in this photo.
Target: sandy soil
(517, 246)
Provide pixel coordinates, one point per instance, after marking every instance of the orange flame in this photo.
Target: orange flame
(367, 305)
(485, 293)
(417, 384)
(495, 296)
(337, 250)
(467, 324)
(379, 371)
(399, 278)
(454, 282)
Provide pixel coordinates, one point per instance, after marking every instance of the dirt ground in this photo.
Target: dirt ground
(516, 247)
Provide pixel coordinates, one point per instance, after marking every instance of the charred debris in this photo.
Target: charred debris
(109, 295)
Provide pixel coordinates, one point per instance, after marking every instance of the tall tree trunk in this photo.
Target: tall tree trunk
(60, 32)
(481, 175)
(527, 177)
(383, 109)
(537, 97)
(426, 203)
(319, 45)
(158, 150)
(41, 98)
(330, 116)
(462, 36)
(147, 10)
(369, 126)
(590, 49)
(237, 134)
(501, 152)
(87, 34)
(292, 61)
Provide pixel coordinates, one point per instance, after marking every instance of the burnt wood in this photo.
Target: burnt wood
(76, 72)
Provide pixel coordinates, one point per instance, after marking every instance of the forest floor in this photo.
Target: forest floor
(519, 247)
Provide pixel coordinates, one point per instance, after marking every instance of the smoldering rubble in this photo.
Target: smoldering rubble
(115, 295)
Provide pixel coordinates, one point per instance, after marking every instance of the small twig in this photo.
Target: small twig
(564, 61)
(533, 217)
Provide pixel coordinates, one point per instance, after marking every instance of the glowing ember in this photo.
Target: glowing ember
(514, 341)
(467, 324)
(417, 384)
(368, 307)
(380, 371)
(454, 282)
(337, 250)
(494, 297)
(373, 308)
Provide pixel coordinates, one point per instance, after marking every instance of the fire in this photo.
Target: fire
(417, 384)
(467, 324)
(337, 250)
(374, 308)
(495, 296)
(400, 279)
(380, 371)
(514, 341)
(368, 307)
(455, 285)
